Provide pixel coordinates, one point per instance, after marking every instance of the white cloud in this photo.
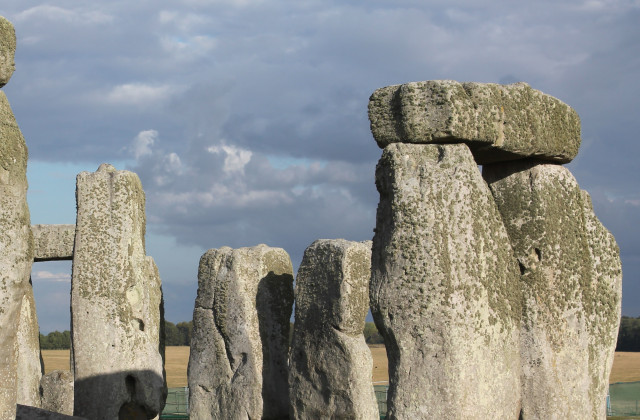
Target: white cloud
(235, 158)
(62, 15)
(49, 276)
(139, 94)
(142, 143)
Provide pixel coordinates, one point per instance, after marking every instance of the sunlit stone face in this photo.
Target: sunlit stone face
(7, 50)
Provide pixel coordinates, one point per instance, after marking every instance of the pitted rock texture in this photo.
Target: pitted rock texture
(53, 242)
(330, 363)
(238, 361)
(498, 122)
(57, 391)
(16, 249)
(116, 301)
(444, 290)
(7, 50)
(571, 278)
(30, 366)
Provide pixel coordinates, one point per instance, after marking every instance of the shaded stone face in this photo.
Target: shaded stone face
(30, 367)
(116, 300)
(16, 249)
(444, 290)
(57, 391)
(238, 360)
(571, 279)
(498, 122)
(7, 50)
(330, 364)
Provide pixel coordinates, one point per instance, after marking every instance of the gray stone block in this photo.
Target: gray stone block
(571, 279)
(7, 50)
(498, 122)
(330, 363)
(238, 361)
(116, 301)
(444, 289)
(53, 242)
(16, 249)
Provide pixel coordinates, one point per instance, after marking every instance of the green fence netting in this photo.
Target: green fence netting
(624, 399)
(177, 404)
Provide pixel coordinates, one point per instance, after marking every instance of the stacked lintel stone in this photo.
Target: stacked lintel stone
(20, 368)
(497, 297)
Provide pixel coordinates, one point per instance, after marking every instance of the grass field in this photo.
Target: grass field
(626, 366)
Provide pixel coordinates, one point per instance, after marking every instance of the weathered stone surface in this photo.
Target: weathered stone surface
(330, 363)
(498, 122)
(444, 290)
(238, 361)
(24, 412)
(571, 278)
(53, 242)
(7, 50)
(57, 391)
(30, 367)
(116, 301)
(16, 249)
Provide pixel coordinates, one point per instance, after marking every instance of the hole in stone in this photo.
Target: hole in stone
(130, 383)
(140, 325)
(522, 268)
(538, 254)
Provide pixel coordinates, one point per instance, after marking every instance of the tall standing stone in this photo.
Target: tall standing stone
(30, 366)
(16, 241)
(330, 370)
(238, 361)
(444, 290)
(571, 278)
(116, 302)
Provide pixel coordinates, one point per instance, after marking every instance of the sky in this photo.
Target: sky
(246, 120)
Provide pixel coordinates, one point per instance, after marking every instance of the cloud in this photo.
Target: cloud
(142, 143)
(51, 277)
(235, 158)
(64, 15)
(138, 94)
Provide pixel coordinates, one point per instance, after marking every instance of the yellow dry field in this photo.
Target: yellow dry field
(626, 365)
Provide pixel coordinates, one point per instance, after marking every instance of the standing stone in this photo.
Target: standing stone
(330, 372)
(444, 290)
(116, 302)
(498, 122)
(57, 392)
(7, 50)
(571, 278)
(238, 361)
(30, 366)
(16, 241)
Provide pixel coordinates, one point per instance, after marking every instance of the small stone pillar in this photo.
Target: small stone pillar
(116, 302)
(241, 321)
(330, 365)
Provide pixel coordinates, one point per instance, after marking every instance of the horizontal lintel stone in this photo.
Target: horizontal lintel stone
(497, 122)
(53, 242)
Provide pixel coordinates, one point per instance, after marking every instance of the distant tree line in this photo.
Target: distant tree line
(177, 334)
(55, 341)
(180, 335)
(629, 334)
